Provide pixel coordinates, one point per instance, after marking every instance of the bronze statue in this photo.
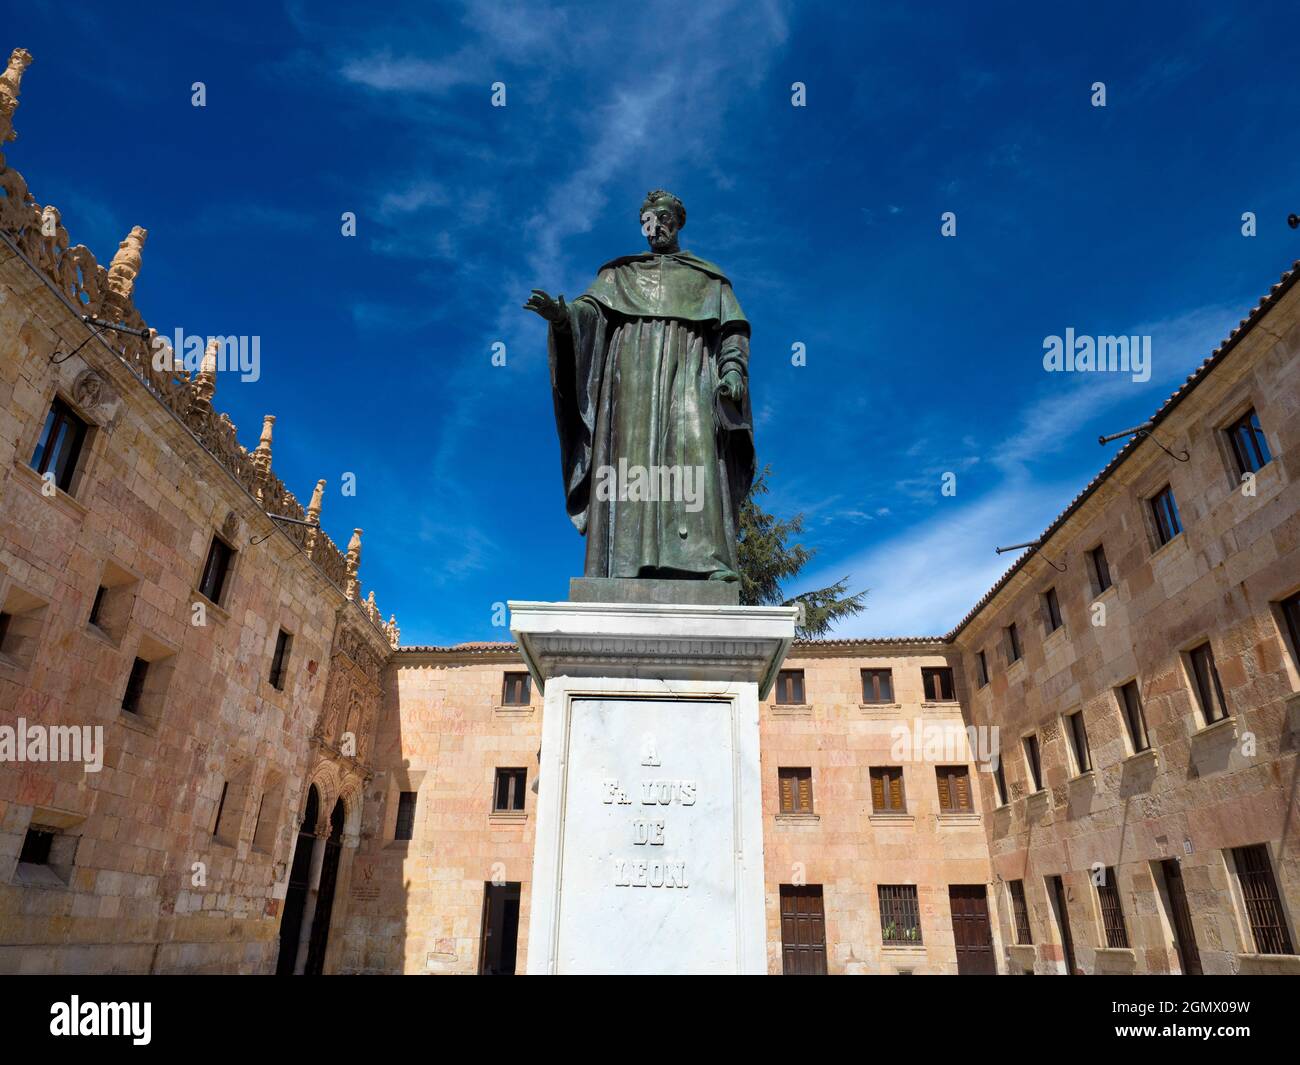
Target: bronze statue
(650, 375)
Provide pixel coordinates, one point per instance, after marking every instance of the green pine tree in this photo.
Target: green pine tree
(767, 560)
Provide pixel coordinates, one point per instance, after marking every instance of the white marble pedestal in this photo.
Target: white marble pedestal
(649, 847)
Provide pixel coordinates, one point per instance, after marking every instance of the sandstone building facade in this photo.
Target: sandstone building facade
(281, 786)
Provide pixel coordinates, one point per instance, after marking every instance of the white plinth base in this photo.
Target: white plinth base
(649, 848)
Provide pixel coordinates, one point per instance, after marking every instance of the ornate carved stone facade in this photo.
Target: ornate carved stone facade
(172, 834)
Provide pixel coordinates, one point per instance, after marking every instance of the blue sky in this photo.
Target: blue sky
(924, 353)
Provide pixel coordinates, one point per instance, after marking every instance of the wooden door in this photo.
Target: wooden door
(1189, 957)
(803, 931)
(1063, 919)
(971, 932)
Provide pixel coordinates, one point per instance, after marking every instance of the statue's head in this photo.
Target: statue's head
(665, 215)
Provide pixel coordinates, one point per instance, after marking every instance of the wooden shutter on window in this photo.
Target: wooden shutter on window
(805, 793)
(961, 798)
(787, 793)
(896, 789)
(945, 796)
(877, 790)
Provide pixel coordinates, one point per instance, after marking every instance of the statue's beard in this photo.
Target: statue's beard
(662, 239)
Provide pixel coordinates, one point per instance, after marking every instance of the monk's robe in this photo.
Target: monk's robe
(635, 370)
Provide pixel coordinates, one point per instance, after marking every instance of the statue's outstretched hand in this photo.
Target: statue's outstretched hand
(553, 310)
(732, 386)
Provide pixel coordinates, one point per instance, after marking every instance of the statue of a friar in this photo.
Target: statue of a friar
(650, 373)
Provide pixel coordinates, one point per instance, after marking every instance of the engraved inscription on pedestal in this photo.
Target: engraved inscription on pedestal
(648, 862)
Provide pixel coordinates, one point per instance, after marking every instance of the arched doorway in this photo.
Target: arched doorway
(329, 875)
(295, 899)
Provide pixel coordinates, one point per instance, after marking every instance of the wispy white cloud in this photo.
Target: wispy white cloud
(925, 576)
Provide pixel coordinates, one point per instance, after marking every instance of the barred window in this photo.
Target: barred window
(1112, 913)
(900, 915)
(1263, 907)
(1020, 910)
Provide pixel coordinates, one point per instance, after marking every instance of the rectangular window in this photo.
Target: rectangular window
(1112, 913)
(509, 791)
(877, 685)
(5, 619)
(135, 686)
(1020, 910)
(1079, 741)
(1000, 778)
(1134, 716)
(982, 667)
(221, 807)
(1100, 569)
(789, 687)
(216, 569)
(1290, 610)
(280, 660)
(954, 789)
(900, 915)
(796, 790)
(1209, 691)
(36, 847)
(1013, 643)
(405, 815)
(1033, 762)
(1263, 907)
(1051, 610)
(937, 681)
(60, 444)
(887, 790)
(97, 605)
(1165, 512)
(1248, 444)
(517, 689)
